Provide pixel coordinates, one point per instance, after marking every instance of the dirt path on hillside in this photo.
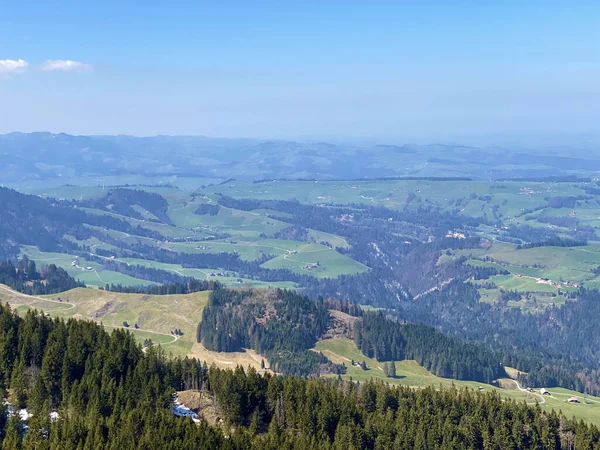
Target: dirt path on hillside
(20, 294)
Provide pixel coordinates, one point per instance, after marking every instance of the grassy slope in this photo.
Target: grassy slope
(331, 263)
(567, 263)
(205, 274)
(156, 315)
(411, 374)
(96, 277)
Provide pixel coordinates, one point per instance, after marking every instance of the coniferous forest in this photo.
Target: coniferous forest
(25, 278)
(282, 325)
(88, 389)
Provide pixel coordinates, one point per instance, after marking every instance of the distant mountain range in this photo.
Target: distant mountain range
(44, 156)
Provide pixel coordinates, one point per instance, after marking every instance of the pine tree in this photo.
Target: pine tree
(392, 369)
(18, 387)
(13, 434)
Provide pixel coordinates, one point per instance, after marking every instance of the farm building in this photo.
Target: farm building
(573, 400)
(544, 391)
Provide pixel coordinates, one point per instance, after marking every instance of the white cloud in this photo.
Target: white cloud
(9, 66)
(65, 65)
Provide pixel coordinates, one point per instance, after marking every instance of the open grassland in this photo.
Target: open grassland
(546, 270)
(230, 221)
(409, 373)
(164, 229)
(157, 316)
(249, 249)
(96, 276)
(316, 260)
(310, 259)
(474, 198)
(227, 278)
(229, 360)
(412, 374)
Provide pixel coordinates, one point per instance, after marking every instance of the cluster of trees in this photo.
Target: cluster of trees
(191, 285)
(282, 325)
(207, 209)
(555, 241)
(122, 201)
(310, 414)
(559, 221)
(527, 233)
(25, 278)
(387, 340)
(293, 233)
(107, 392)
(564, 202)
(389, 368)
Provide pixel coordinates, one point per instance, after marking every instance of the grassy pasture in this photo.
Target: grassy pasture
(527, 266)
(230, 279)
(247, 249)
(509, 198)
(156, 315)
(164, 229)
(330, 263)
(412, 374)
(231, 221)
(98, 276)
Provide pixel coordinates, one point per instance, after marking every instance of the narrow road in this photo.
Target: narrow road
(542, 399)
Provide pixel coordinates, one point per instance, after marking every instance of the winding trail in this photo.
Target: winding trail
(20, 294)
(72, 305)
(540, 396)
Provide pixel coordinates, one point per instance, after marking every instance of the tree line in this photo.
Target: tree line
(109, 394)
(387, 340)
(190, 286)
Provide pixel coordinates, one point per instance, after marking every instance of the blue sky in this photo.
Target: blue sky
(373, 69)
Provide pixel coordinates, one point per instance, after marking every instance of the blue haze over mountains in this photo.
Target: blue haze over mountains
(47, 156)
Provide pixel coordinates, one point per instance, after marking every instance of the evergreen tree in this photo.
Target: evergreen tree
(13, 435)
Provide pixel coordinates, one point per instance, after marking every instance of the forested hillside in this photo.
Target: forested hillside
(387, 340)
(108, 393)
(281, 325)
(25, 278)
(30, 220)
